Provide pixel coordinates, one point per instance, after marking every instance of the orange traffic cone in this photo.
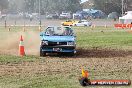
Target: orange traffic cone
(94, 26)
(105, 26)
(40, 28)
(24, 29)
(9, 29)
(21, 47)
(85, 73)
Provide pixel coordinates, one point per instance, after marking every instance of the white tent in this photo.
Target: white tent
(127, 19)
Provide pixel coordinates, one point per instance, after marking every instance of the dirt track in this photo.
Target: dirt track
(112, 63)
(116, 67)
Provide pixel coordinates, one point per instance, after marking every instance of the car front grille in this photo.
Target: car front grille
(56, 43)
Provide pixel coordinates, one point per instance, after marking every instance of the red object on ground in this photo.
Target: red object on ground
(123, 26)
(21, 47)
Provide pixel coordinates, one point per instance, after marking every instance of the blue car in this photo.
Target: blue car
(57, 40)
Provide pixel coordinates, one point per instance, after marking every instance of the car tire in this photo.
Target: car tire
(42, 53)
(85, 25)
(75, 25)
(72, 54)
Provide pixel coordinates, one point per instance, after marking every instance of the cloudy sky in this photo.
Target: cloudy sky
(84, 0)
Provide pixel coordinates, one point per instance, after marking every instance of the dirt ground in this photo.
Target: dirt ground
(99, 68)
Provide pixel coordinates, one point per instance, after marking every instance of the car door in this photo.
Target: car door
(69, 23)
(79, 23)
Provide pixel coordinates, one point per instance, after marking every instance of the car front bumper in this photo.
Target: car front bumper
(57, 49)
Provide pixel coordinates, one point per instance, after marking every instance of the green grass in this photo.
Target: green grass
(5, 59)
(57, 81)
(103, 38)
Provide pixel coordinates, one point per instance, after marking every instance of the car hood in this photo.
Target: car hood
(58, 38)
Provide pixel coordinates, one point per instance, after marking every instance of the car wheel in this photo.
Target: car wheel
(85, 25)
(71, 54)
(75, 25)
(42, 53)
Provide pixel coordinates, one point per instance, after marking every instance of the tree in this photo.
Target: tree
(3, 4)
(108, 6)
(111, 5)
(52, 5)
(29, 5)
(74, 5)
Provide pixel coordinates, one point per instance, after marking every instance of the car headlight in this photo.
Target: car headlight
(44, 43)
(70, 43)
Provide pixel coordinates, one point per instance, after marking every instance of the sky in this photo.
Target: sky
(84, 0)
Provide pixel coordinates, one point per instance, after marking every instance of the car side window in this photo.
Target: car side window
(68, 31)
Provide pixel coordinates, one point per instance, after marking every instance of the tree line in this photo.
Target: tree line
(45, 5)
(31, 6)
(109, 6)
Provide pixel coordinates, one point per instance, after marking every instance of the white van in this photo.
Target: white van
(65, 15)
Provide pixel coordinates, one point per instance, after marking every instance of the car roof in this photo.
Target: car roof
(58, 26)
(83, 20)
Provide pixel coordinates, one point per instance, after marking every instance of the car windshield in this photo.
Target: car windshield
(84, 21)
(68, 21)
(59, 31)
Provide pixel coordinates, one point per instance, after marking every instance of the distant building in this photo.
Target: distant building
(126, 19)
